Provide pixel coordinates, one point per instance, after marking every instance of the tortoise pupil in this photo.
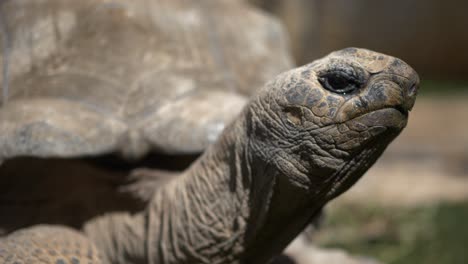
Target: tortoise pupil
(339, 82)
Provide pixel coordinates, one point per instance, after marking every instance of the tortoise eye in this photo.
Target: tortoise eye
(339, 82)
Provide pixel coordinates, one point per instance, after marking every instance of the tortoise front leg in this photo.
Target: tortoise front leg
(48, 244)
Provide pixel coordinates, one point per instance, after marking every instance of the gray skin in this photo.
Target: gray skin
(302, 140)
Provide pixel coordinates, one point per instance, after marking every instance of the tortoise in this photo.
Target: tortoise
(140, 79)
(176, 79)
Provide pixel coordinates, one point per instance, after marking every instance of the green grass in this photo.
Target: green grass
(435, 234)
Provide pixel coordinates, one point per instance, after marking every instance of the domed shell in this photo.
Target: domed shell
(92, 77)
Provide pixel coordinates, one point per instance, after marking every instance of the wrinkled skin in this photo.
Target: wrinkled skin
(305, 138)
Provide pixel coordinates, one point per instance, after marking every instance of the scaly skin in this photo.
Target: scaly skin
(298, 144)
(48, 244)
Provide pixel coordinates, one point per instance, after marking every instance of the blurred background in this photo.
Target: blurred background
(412, 206)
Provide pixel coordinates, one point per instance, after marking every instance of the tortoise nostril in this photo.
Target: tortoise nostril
(413, 89)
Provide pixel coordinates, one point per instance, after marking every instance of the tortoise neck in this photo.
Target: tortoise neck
(222, 209)
(201, 217)
(228, 207)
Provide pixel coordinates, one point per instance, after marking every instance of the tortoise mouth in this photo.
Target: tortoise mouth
(390, 116)
(395, 117)
(373, 128)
